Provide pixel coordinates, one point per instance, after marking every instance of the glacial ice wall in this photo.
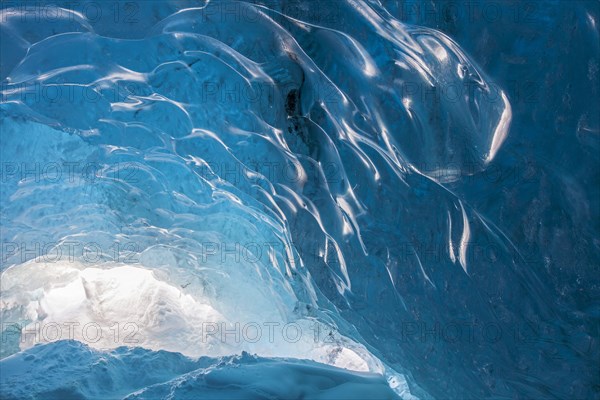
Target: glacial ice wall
(194, 167)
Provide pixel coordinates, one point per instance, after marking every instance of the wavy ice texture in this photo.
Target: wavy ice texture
(276, 128)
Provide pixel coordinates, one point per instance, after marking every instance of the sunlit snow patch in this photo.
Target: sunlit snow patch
(111, 305)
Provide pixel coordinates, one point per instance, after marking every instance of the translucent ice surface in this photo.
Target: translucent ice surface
(298, 199)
